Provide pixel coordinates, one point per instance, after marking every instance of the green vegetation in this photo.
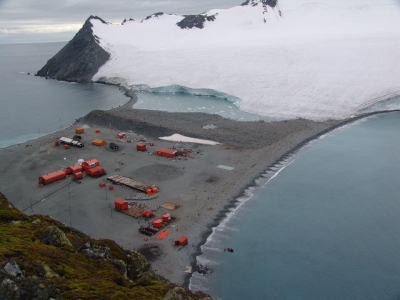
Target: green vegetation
(66, 271)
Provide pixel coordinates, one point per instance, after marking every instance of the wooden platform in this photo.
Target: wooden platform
(129, 182)
(135, 209)
(150, 230)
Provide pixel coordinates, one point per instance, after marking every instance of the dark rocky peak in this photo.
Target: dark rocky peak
(264, 3)
(190, 21)
(96, 18)
(80, 59)
(271, 3)
(156, 15)
(124, 21)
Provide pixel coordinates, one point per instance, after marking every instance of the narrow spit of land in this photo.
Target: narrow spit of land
(200, 188)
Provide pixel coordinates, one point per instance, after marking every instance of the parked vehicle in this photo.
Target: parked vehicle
(67, 141)
(114, 146)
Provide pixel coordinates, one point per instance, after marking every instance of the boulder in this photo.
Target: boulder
(55, 237)
(12, 268)
(137, 265)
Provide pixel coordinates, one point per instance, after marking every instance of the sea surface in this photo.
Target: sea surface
(322, 225)
(33, 106)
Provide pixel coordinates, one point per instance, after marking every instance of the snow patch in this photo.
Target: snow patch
(181, 138)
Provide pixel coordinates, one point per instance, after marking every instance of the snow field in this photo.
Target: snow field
(316, 61)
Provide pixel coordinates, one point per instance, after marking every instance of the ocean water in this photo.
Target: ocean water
(33, 106)
(327, 226)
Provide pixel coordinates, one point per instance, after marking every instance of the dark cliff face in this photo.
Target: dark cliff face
(197, 21)
(79, 60)
(271, 3)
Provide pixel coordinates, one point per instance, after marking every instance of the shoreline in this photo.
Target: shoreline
(300, 136)
(253, 184)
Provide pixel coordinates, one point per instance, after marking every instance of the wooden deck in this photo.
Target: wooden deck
(129, 182)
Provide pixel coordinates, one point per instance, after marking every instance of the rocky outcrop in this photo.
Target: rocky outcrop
(55, 237)
(137, 265)
(130, 20)
(93, 251)
(179, 293)
(271, 3)
(197, 21)
(80, 59)
(156, 15)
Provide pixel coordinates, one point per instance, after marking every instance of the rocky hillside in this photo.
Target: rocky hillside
(79, 60)
(41, 258)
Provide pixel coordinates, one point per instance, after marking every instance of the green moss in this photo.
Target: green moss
(80, 277)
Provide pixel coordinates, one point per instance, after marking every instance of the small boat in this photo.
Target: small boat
(228, 249)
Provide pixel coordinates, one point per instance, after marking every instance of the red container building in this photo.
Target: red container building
(73, 169)
(95, 171)
(120, 204)
(90, 164)
(78, 175)
(51, 177)
(166, 152)
(182, 241)
(141, 147)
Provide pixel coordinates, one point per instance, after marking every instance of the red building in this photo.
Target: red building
(170, 153)
(120, 204)
(73, 169)
(51, 177)
(141, 147)
(95, 171)
(182, 241)
(90, 164)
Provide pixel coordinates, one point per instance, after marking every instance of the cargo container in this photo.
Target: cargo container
(79, 130)
(98, 142)
(182, 241)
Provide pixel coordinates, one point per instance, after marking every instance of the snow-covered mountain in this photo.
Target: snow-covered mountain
(316, 60)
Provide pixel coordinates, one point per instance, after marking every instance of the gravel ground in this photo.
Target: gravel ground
(196, 184)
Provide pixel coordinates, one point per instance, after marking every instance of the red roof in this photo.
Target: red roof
(75, 168)
(119, 201)
(92, 161)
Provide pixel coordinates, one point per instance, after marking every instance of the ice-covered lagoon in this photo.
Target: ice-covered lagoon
(180, 100)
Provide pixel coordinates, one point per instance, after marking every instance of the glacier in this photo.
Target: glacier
(315, 60)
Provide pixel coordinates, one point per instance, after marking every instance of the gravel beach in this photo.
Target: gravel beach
(197, 184)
